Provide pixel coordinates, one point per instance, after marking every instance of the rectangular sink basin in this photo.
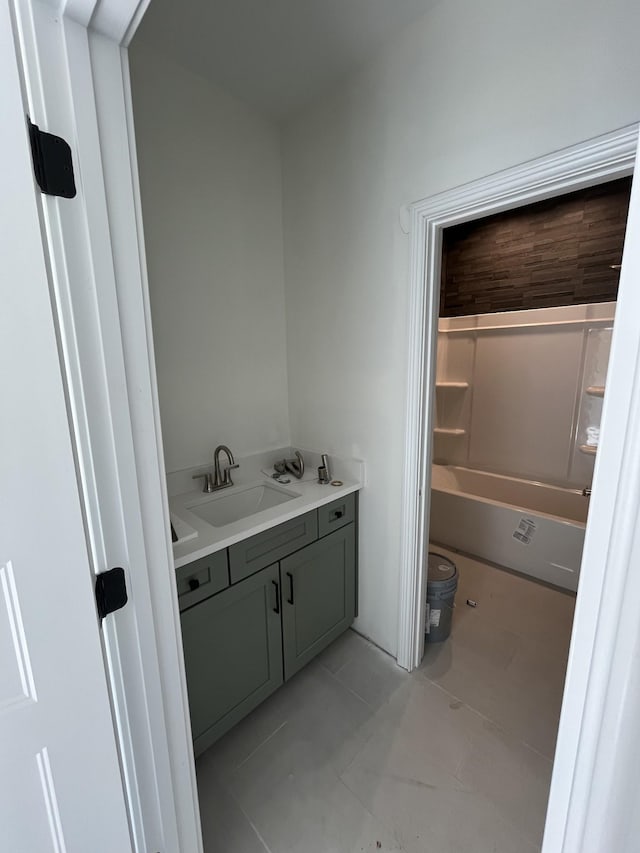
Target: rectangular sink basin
(226, 507)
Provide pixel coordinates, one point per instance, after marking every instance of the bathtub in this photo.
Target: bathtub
(529, 527)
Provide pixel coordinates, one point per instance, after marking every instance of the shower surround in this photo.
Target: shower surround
(516, 394)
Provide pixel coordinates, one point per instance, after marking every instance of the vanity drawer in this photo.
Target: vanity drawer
(336, 514)
(202, 578)
(268, 547)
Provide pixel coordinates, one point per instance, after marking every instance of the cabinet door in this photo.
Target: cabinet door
(233, 654)
(318, 596)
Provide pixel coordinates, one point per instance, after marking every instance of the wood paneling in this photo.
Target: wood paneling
(555, 252)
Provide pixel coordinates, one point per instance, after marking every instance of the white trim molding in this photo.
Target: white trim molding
(116, 19)
(596, 776)
(595, 161)
(76, 82)
(576, 822)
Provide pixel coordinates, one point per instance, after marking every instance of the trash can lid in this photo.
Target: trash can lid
(440, 568)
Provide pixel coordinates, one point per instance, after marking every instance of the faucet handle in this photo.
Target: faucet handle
(208, 480)
(227, 473)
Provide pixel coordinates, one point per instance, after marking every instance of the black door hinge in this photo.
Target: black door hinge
(111, 591)
(52, 163)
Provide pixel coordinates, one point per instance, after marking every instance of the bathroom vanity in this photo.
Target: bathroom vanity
(258, 608)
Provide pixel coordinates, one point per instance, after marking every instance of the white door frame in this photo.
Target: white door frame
(96, 34)
(76, 84)
(56, 721)
(616, 485)
(595, 161)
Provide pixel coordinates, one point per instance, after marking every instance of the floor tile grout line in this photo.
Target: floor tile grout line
(335, 674)
(550, 759)
(257, 832)
(368, 704)
(351, 690)
(336, 773)
(503, 817)
(246, 816)
(357, 755)
(370, 645)
(494, 723)
(382, 708)
(260, 745)
(331, 671)
(390, 829)
(510, 822)
(464, 789)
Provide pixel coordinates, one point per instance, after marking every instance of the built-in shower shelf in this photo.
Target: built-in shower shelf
(459, 385)
(446, 431)
(595, 390)
(588, 449)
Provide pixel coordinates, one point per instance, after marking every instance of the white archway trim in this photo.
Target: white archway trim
(117, 20)
(581, 756)
(595, 161)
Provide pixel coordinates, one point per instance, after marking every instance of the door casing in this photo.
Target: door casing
(74, 72)
(616, 484)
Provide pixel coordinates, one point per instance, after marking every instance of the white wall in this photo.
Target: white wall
(471, 89)
(210, 176)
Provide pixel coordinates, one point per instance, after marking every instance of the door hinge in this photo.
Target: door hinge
(111, 591)
(52, 163)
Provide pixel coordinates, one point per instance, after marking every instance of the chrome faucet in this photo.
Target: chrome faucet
(223, 479)
(296, 466)
(293, 466)
(219, 479)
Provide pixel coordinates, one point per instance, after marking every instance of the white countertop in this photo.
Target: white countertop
(209, 538)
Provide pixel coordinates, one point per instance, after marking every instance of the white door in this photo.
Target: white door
(60, 783)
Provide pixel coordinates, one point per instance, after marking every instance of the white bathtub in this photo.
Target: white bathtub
(529, 527)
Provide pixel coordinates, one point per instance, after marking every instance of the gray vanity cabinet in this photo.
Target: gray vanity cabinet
(233, 654)
(256, 613)
(318, 596)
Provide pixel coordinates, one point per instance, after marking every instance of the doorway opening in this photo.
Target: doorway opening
(526, 318)
(464, 502)
(571, 171)
(527, 307)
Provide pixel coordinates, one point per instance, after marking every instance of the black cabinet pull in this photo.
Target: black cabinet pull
(276, 609)
(338, 513)
(290, 576)
(194, 583)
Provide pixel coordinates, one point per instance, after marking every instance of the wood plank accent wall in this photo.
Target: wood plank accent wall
(543, 255)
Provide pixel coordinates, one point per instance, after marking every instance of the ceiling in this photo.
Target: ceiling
(275, 55)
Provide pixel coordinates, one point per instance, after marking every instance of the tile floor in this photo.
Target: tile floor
(356, 755)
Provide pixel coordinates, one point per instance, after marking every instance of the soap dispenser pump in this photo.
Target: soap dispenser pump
(324, 474)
